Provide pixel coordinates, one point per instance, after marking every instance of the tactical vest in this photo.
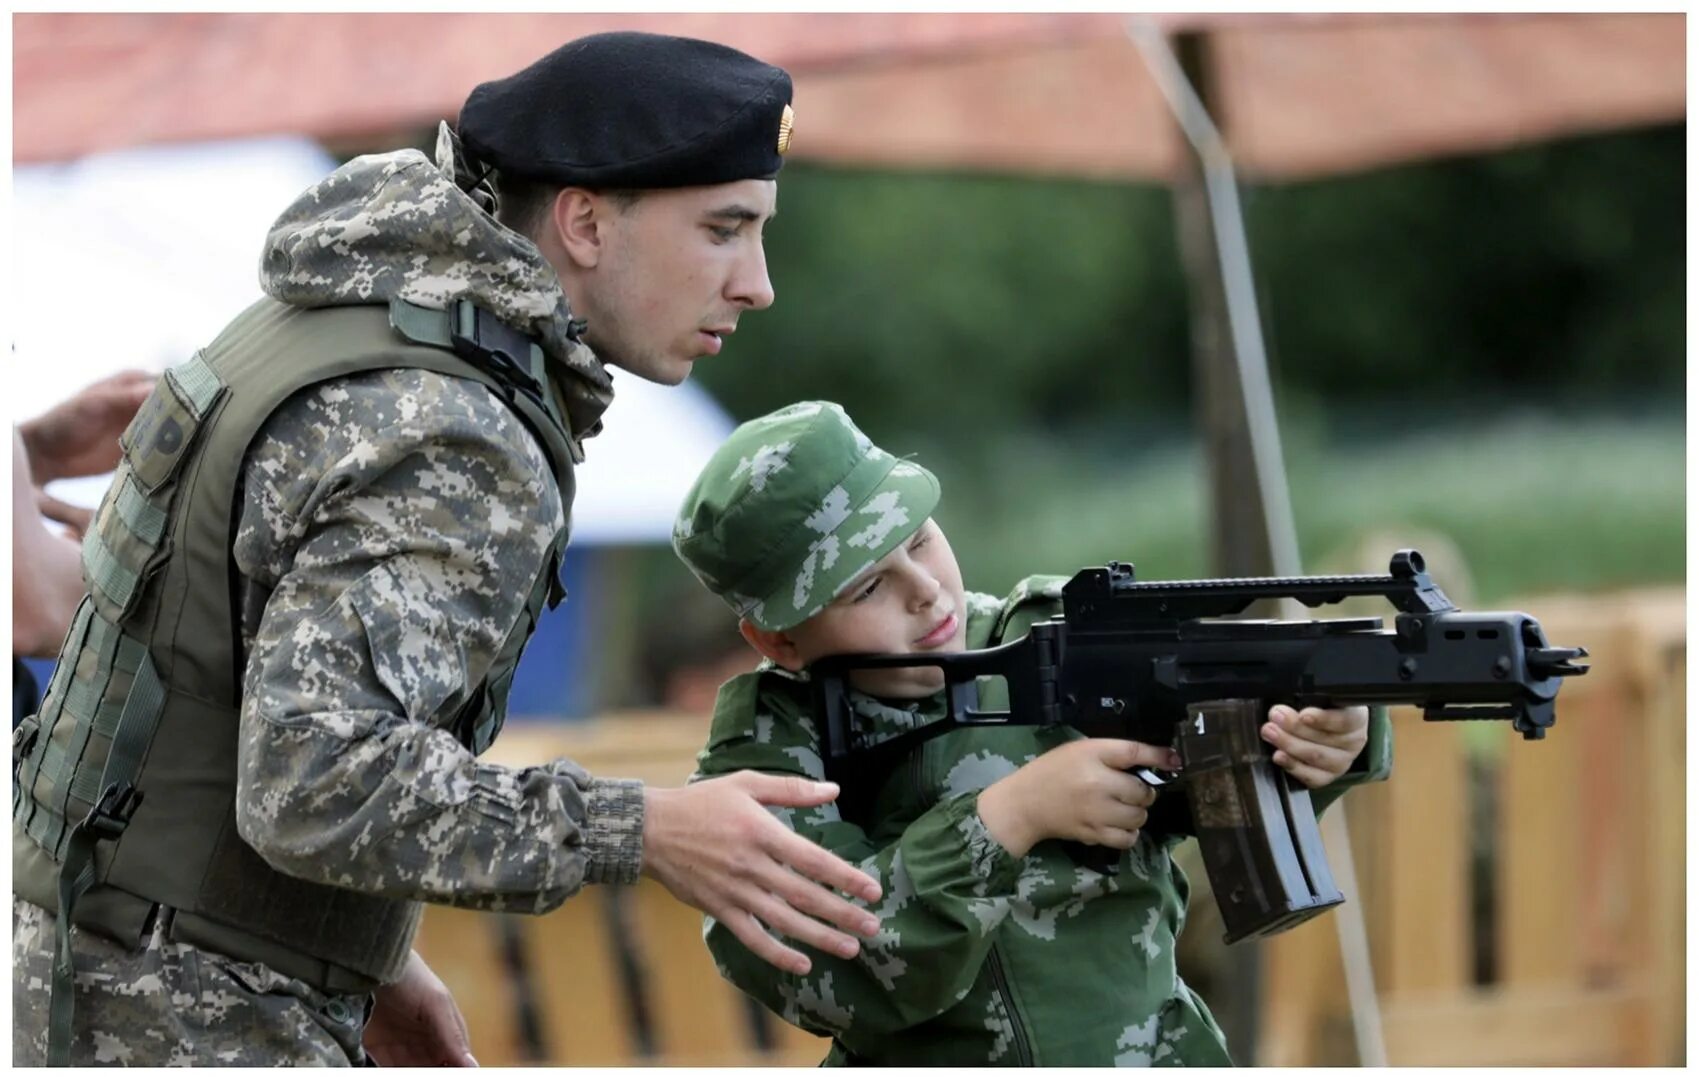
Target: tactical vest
(125, 779)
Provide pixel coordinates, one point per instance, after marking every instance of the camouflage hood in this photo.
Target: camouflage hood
(397, 225)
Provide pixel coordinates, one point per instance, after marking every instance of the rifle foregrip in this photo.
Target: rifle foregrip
(1255, 826)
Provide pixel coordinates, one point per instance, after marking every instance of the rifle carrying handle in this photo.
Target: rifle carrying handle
(1255, 825)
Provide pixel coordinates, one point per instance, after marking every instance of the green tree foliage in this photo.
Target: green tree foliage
(1556, 270)
(1489, 346)
(940, 303)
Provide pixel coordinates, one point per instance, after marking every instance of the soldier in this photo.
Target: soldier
(330, 535)
(995, 947)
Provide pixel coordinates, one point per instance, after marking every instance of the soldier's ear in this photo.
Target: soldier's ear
(577, 217)
(775, 645)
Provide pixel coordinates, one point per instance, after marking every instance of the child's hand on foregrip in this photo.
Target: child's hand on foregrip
(1078, 791)
(1316, 746)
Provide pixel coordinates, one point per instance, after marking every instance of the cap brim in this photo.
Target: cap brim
(888, 516)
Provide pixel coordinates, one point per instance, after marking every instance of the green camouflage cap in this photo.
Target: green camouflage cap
(792, 508)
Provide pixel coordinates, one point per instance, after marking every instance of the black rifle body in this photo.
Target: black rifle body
(1158, 662)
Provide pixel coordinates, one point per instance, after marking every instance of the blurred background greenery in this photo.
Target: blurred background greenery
(1490, 347)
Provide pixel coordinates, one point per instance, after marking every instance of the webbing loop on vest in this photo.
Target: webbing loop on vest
(51, 825)
(144, 519)
(27, 768)
(106, 573)
(195, 379)
(106, 821)
(23, 742)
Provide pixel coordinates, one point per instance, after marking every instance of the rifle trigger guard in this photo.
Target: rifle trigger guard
(1154, 777)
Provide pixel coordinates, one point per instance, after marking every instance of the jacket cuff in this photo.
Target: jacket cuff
(613, 832)
(991, 866)
(1372, 764)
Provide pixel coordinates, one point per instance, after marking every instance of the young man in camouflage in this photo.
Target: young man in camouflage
(329, 537)
(995, 947)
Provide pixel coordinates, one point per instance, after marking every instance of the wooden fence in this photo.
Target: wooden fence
(616, 976)
(1524, 902)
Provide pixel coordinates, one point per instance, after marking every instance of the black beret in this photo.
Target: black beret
(633, 110)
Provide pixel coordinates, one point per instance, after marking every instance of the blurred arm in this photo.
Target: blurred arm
(79, 436)
(47, 572)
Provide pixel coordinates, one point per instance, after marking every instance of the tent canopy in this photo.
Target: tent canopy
(1298, 95)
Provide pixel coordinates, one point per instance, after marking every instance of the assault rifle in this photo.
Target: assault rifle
(1159, 662)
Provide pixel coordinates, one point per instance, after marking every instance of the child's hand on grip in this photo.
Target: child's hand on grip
(1081, 791)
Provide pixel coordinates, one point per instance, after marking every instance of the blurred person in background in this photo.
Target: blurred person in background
(331, 533)
(689, 649)
(77, 437)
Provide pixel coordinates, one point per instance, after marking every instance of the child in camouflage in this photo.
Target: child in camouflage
(995, 947)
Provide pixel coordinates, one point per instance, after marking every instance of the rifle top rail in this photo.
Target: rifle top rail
(1121, 596)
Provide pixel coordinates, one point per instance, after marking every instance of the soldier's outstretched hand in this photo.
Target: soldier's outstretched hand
(715, 846)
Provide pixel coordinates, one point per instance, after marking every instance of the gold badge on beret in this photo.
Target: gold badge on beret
(787, 120)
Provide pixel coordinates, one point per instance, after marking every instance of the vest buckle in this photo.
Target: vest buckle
(112, 813)
(482, 339)
(23, 738)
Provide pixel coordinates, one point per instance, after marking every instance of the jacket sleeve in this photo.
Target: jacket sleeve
(946, 887)
(1373, 763)
(392, 526)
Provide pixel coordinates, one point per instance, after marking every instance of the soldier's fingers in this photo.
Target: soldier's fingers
(449, 1028)
(816, 863)
(771, 910)
(747, 929)
(786, 790)
(812, 900)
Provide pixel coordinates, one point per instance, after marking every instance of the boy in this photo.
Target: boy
(994, 946)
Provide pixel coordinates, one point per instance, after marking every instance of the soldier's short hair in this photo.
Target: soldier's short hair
(522, 204)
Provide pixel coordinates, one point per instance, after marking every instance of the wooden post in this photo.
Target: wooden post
(1238, 520)
(1238, 528)
(1253, 531)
